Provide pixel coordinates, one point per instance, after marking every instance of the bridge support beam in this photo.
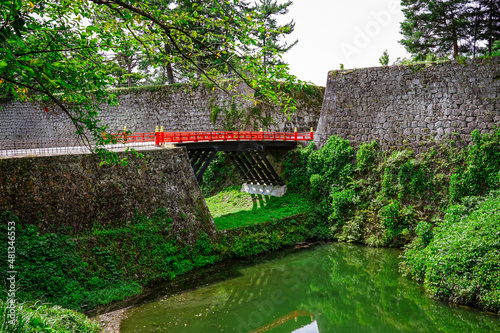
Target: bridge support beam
(248, 157)
(255, 168)
(200, 160)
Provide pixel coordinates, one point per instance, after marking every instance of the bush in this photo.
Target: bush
(295, 171)
(49, 268)
(109, 265)
(341, 201)
(366, 156)
(330, 166)
(396, 220)
(461, 264)
(482, 169)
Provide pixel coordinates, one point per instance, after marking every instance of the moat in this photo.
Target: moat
(334, 287)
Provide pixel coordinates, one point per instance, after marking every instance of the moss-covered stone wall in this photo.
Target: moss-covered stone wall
(76, 191)
(405, 106)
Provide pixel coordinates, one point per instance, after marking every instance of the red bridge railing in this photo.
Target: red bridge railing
(160, 137)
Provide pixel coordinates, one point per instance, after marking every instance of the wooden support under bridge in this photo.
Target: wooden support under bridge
(249, 157)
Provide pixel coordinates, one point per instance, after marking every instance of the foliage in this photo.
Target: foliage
(67, 281)
(296, 168)
(405, 177)
(264, 237)
(35, 317)
(54, 50)
(220, 174)
(387, 199)
(384, 59)
(461, 262)
(331, 166)
(232, 208)
(341, 202)
(396, 221)
(232, 116)
(269, 37)
(108, 265)
(48, 53)
(320, 174)
(366, 155)
(112, 263)
(449, 27)
(420, 59)
(480, 173)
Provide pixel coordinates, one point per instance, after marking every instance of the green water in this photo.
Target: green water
(329, 288)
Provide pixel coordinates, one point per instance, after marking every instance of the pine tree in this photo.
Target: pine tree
(438, 27)
(487, 23)
(271, 34)
(450, 26)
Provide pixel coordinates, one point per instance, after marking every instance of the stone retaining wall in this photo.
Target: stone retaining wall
(75, 191)
(411, 105)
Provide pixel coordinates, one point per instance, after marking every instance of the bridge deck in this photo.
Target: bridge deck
(161, 137)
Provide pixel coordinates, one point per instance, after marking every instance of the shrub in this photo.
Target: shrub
(461, 264)
(333, 163)
(295, 171)
(341, 201)
(366, 156)
(396, 220)
(481, 172)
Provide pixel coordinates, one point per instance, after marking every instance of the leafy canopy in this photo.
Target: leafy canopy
(56, 50)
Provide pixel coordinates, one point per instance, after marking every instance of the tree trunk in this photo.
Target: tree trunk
(455, 49)
(170, 73)
(490, 27)
(129, 72)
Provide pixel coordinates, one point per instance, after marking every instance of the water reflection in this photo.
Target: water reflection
(331, 288)
(294, 315)
(311, 328)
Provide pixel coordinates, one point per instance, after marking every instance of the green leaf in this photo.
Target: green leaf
(3, 64)
(91, 28)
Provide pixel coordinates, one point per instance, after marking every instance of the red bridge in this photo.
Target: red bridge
(247, 150)
(161, 137)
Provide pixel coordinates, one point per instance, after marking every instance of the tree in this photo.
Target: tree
(434, 26)
(451, 26)
(487, 23)
(270, 33)
(384, 59)
(54, 49)
(47, 52)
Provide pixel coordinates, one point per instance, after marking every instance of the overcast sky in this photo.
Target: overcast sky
(349, 32)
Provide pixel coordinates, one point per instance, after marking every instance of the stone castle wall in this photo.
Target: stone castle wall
(406, 106)
(76, 191)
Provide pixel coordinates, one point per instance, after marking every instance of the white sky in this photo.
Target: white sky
(349, 32)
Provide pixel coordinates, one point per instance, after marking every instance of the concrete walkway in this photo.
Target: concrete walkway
(77, 150)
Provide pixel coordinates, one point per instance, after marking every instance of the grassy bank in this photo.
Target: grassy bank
(232, 208)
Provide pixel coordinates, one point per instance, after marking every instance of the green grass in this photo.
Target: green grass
(231, 208)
